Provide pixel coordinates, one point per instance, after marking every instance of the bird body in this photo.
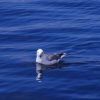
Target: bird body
(46, 59)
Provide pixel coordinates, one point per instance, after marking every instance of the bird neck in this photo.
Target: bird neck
(38, 59)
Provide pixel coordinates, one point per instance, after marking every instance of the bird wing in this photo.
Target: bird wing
(55, 56)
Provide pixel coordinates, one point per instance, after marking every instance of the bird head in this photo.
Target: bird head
(39, 52)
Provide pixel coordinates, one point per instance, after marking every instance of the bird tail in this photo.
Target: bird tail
(62, 55)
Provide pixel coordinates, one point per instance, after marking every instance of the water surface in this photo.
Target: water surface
(63, 25)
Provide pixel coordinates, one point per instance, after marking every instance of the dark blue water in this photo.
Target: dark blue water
(53, 25)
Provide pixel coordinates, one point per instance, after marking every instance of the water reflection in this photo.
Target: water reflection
(39, 71)
(41, 68)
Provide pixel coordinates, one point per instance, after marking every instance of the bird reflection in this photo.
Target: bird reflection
(41, 68)
(39, 71)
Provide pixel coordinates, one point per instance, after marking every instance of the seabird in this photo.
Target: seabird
(50, 59)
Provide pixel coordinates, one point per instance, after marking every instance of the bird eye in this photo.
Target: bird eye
(40, 55)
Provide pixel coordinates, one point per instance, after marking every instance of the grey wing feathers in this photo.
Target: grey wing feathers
(56, 56)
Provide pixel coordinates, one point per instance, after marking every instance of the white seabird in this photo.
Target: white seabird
(46, 59)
